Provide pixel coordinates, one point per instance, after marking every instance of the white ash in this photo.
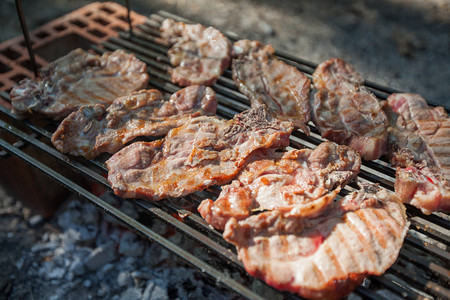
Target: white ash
(35, 220)
(92, 256)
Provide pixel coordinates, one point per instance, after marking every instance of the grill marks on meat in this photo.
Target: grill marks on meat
(269, 82)
(298, 182)
(203, 152)
(323, 257)
(419, 147)
(95, 129)
(199, 54)
(77, 79)
(345, 112)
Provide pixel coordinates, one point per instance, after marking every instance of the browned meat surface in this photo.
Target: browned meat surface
(268, 81)
(95, 129)
(337, 76)
(324, 257)
(298, 182)
(76, 79)
(199, 54)
(203, 152)
(345, 112)
(419, 147)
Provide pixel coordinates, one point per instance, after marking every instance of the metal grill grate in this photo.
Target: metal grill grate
(421, 271)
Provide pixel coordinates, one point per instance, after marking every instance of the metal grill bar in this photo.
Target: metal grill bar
(375, 171)
(426, 260)
(371, 174)
(129, 222)
(99, 178)
(150, 207)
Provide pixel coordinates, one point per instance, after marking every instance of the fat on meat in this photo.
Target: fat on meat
(270, 82)
(95, 129)
(347, 113)
(328, 256)
(203, 152)
(198, 54)
(298, 182)
(419, 148)
(77, 79)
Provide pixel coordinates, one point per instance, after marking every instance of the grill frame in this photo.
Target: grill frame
(421, 260)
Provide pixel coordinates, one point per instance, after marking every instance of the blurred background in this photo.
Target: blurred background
(404, 44)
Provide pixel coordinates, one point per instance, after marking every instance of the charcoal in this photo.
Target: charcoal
(129, 246)
(131, 294)
(100, 256)
(155, 290)
(124, 279)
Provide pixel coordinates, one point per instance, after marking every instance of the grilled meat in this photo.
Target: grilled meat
(77, 79)
(203, 152)
(419, 147)
(324, 257)
(345, 112)
(337, 76)
(94, 129)
(268, 81)
(298, 182)
(199, 54)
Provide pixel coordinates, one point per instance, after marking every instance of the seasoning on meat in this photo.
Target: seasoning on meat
(325, 257)
(203, 152)
(347, 113)
(199, 54)
(95, 129)
(298, 182)
(419, 146)
(270, 82)
(76, 79)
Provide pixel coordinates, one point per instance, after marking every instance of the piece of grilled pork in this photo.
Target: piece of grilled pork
(95, 129)
(328, 256)
(76, 79)
(270, 82)
(199, 55)
(347, 113)
(298, 182)
(203, 152)
(419, 146)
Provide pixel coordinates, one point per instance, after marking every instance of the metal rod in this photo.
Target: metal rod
(130, 27)
(231, 103)
(26, 36)
(134, 224)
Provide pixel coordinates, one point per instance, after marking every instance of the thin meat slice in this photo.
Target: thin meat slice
(200, 55)
(425, 188)
(297, 182)
(419, 146)
(76, 79)
(337, 76)
(95, 129)
(328, 256)
(347, 113)
(270, 82)
(203, 152)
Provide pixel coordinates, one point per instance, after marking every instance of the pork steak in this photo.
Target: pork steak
(347, 113)
(298, 182)
(419, 146)
(203, 152)
(95, 129)
(328, 256)
(268, 81)
(76, 79)
(199, 55)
